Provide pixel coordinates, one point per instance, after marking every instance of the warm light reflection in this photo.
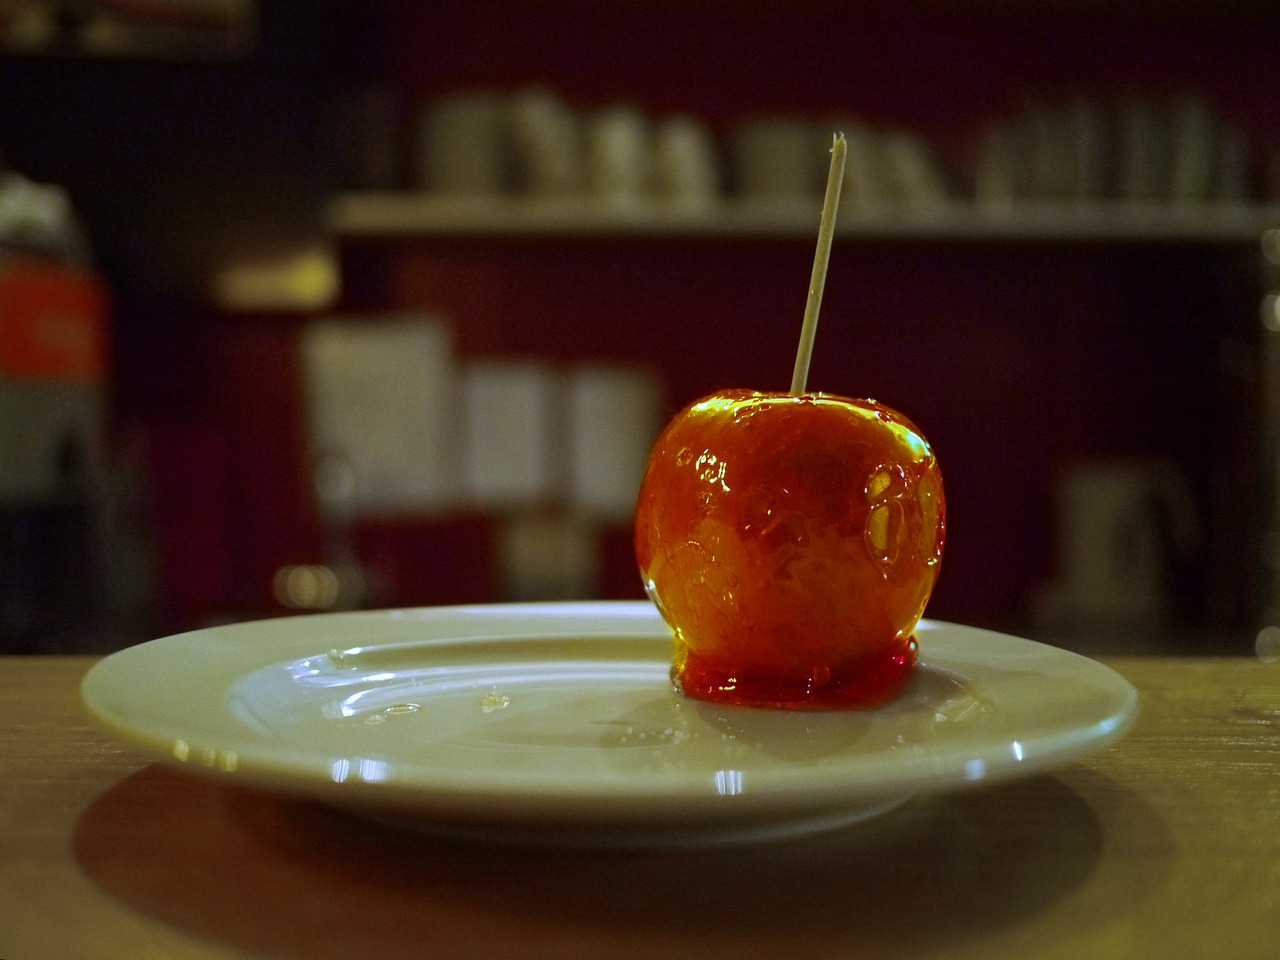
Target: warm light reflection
(307, 587)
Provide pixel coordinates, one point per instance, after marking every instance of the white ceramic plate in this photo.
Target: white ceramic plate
(558, 722)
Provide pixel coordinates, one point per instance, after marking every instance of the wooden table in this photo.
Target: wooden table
(1164, 846)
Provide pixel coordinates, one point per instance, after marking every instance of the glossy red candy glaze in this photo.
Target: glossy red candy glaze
(792, 544)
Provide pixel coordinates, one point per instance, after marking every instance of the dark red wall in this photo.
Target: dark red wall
(1015, 359)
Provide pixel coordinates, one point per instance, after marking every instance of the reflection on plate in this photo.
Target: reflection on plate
(557, 722)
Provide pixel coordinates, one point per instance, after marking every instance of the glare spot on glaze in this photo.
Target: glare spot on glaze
(711, 469)
(888, 488)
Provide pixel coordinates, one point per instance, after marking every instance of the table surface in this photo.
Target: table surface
(1165, 845)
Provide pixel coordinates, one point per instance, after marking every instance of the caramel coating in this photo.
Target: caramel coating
(792, 544)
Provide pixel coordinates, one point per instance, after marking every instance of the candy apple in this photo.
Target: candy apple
(791, 542)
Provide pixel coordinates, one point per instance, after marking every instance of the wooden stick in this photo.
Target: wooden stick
(818, 280)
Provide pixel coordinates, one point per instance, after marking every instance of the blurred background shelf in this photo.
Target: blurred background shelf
(373, 214)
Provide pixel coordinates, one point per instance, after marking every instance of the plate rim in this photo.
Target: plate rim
(496, 800)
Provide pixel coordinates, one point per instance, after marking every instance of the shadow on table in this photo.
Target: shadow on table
(284, 877)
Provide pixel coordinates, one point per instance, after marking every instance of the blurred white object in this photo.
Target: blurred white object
(547, 556)
(1231, 180)
(1049, 157)
(513, 422)
(381, 398)
(1193, 139)
(998, 179)
(914, 179)
(619, 154)
(1122, 527)
(1143, 152)
(775, 159)
(1091, 158)
(548, 144)
(864, 188)
(885, 170)
(685, 165)
(464, 144)
(614, 417)
(39, 216)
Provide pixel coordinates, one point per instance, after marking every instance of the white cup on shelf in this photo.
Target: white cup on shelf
(618, 154)
(1194, 150)
(1142, 152)
(775, 159)
(464, 145)
(547, 143)
(686, 168)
